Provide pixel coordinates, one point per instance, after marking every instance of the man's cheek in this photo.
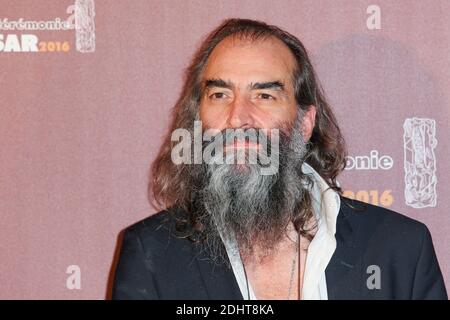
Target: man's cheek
(213, 120)
(204, 116)
(268, 119)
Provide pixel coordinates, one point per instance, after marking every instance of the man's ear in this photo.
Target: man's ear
(308, 122)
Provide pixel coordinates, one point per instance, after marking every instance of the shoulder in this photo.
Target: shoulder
(152, 224)
(158, 232)
(369, 216)
(383, 228)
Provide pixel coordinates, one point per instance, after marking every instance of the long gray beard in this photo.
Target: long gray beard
(255, 209)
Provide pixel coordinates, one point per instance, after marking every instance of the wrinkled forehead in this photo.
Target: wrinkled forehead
(241, 59)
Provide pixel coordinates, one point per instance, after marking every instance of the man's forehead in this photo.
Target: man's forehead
(244, 63)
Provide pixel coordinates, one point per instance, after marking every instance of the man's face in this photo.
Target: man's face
(248, 85)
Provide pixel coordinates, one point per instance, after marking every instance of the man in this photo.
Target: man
(231, 231)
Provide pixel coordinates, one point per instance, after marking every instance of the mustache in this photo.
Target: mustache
(258, 138)
(250, 146)
(285, 129)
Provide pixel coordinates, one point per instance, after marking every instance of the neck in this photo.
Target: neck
(260, 254)
(286, 261)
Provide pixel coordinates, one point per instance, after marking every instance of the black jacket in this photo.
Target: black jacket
(156, 264)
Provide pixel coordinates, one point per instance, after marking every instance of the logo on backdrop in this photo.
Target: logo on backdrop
(373, 161)
(419, 138)
(20, 35)
(369, 162)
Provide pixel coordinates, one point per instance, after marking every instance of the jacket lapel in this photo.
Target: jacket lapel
(343, 273)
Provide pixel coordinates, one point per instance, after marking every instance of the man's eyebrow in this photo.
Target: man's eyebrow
(276, 85)
(219, 83)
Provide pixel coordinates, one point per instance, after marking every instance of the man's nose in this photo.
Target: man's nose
(240, 115)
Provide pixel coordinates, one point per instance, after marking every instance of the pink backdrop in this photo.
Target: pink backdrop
(78, 130)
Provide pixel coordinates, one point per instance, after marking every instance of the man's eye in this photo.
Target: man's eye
(217, 95)
(266, 96)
